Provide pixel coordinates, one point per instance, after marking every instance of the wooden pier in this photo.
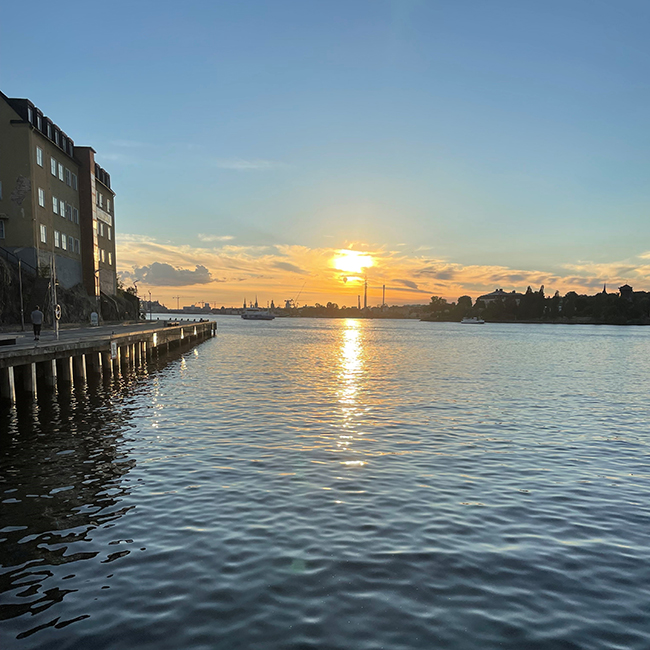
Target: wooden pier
(29, 366)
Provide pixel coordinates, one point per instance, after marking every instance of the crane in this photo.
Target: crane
(294, 301)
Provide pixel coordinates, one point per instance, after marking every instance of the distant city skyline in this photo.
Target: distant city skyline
(462, 146)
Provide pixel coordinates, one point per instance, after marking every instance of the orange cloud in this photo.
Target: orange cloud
(225, 274)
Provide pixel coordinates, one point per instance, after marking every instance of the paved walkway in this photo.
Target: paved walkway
(74, 334)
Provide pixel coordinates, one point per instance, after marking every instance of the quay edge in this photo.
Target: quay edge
(72, 359)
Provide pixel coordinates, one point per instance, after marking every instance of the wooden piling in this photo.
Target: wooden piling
(7, 393)
(25, 379)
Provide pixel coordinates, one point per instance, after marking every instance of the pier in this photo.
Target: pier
(28, 366)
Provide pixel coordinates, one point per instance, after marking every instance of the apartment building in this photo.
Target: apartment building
(55, 201)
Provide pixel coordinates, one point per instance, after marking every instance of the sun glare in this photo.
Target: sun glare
(352, 261)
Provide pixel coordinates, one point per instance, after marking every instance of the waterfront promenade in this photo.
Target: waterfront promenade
(27, 366)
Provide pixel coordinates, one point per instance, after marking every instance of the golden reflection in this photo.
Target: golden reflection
(350, 374)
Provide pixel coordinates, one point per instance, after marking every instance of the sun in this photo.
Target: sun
(351, 261)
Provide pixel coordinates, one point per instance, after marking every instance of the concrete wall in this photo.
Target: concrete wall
(68, 271)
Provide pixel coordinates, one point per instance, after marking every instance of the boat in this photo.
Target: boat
(255, 313)
(474, 320)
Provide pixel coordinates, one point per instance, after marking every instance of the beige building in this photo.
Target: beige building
(499, 294)
(55, 201)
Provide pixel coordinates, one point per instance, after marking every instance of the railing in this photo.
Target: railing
(14, 259)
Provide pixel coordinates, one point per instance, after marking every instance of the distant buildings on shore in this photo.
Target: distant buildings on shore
(500, 294)
(56, 202)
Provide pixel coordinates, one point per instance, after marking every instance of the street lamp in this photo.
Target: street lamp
(98, 294)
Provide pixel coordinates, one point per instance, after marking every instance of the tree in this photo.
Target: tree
(438, 304)
(569, 304)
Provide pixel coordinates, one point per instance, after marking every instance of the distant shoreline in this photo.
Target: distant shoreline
(549, 322)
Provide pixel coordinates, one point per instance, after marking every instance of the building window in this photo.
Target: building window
(2, 229)
(30, 114)
(71, 244)
(75, 215)
(62, 209)
(53, 166)
(74, 181)
(64, 143)
(57, 239)
(68, 177)
(56, 137)
(43, 234)
(100, 199)
(49, 130)
(64, 243)
(41, 197)
(108, 205)
(102, 254)
(60, 172)
(110, 258)
(55, 205)
(39, 156)
(68, 212)
(101, 228)
(109, 232)
(77, 246)
(39, 122)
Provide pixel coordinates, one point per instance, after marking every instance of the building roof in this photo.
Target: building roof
(499, 293)
(33, 115)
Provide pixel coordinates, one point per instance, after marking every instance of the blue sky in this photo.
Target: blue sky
(436, 135)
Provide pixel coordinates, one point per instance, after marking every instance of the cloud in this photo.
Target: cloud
(238, 164)
(278, 272)
(128, 144)
(125, 237)
(165, 275)
(204, 237)
(292, 268)
(438, 271)
(407, 283)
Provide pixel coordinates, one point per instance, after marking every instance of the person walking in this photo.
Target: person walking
(37, 321)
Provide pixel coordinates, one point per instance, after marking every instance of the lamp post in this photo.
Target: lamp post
(98, 298)
(135, 286)
(20, 286)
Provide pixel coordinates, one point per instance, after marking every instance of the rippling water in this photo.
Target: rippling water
(338, 484)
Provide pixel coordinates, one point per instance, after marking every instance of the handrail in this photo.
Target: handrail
(7, 253)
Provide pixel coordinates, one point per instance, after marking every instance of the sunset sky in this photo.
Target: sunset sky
(463, 145)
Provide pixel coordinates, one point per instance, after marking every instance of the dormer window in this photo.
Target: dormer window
(30, 115)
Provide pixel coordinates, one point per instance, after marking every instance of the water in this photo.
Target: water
(338, 484)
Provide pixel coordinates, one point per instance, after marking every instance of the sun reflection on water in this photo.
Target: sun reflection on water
(350, 373)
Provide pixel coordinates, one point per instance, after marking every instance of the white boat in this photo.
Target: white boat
(255, 313)
(472, 321)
